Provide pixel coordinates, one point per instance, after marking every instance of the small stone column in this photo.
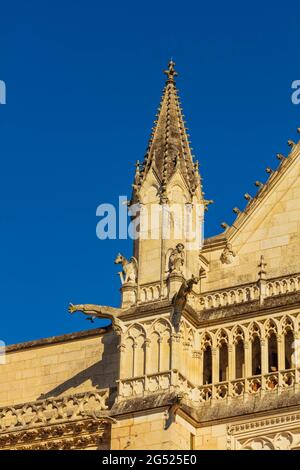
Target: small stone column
(121, 348)
(198, 375)
(231, 362)
(147, 345)
(264, 362)
(160, 340)
(262, 282)
(129, 294)
(280, 358)
(215, 368)
(296, 359)
(175, 338)
(231, 367)
(280, 352)
(248, 365)
(248, 358)
(264, 356)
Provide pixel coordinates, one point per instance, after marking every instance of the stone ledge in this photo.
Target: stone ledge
(240, 409)
(143, 403)
(218, 313)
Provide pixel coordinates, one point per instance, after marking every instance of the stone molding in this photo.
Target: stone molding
(272, 433)
(53, 411)
(72, 422)
(65, 436)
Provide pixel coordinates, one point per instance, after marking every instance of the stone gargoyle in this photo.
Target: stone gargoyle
(130, 269)
(180, 299)
(100, 311)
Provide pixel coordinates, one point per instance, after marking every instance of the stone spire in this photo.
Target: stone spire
(169, 146)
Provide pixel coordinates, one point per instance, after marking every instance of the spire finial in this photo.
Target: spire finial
(171, 72)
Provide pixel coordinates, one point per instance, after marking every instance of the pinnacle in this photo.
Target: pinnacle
(169, 144)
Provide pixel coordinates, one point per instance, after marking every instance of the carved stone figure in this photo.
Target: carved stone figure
(130, 269)
(180, 299)
(100, 311)
(176, 259)
(228, 254)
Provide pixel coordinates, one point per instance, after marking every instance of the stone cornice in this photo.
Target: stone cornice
(237, 410)
(249, 310)
(65, 436)
(156, 401)
(144, 310)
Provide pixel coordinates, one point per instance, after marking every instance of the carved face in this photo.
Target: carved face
(180, 247)
(118, 259)
(193, 280)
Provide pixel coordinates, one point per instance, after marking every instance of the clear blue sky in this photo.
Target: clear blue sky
(84, 79)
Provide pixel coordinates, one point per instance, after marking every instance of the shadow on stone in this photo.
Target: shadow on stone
(102, 374)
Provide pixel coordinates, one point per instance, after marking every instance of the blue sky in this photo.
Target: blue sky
(84, 79)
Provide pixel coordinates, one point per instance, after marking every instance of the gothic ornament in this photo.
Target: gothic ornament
(176, 259)
(180, 299)
(129, 269)
(100, 311)
(228, 255)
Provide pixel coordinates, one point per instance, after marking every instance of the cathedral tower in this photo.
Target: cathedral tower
(168, 193)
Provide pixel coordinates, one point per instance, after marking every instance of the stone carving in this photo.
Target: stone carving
(129, 269)
(286, 288)
(140, 386)
(53, 410)
(100, 311)
(64, 436)
(228, 255)
(70, 422)
(281, 441)
(176, 259)
(259, 444)
(273, 433)
(133, 387)
(180, 299)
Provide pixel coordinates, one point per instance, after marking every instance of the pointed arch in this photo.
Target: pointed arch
(287, 323)
(222, 337)
(136, 329)
(137, 334)
(271, 327)
(161, 322)
(255, 330)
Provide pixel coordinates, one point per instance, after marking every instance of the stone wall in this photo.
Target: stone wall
(150, 432)
(67, 365)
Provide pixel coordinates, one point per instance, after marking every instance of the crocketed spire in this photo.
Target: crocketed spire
(169, 145)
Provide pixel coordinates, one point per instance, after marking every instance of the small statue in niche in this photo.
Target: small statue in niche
(130, 268)
(228, 255)
(176, 259)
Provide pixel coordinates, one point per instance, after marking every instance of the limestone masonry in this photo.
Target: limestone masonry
(203, 352)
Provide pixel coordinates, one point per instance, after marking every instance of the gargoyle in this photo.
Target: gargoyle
(130, 268)
(100, 311)
(180, 299)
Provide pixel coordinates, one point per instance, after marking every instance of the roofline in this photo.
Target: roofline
(57, 339)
